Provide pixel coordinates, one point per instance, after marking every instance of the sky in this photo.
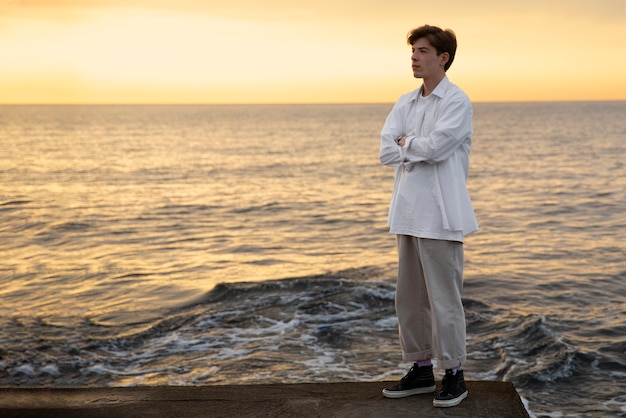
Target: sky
(286, 51)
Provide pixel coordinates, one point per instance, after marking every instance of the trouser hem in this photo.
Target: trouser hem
(451, 364)
(427, 355)
(414, 357)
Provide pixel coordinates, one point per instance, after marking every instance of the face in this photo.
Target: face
(425, 62)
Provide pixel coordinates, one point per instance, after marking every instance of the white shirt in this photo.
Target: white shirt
(430, 197)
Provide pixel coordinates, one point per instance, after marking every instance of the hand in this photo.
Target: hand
(402, 140)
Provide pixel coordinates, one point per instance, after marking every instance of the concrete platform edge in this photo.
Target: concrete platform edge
(342, 399)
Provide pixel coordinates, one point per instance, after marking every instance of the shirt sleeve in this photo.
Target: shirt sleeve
(452, 127)
(391, 154)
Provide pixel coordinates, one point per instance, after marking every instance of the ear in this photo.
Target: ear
(444, 58)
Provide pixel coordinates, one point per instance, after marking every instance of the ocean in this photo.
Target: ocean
(238, 244)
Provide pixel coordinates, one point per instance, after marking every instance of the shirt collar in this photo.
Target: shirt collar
(439, 91)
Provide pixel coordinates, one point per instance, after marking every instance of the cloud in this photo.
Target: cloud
(365, 12)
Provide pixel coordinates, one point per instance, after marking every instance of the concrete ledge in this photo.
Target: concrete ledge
(349, 399)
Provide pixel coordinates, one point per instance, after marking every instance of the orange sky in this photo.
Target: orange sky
(281, 51)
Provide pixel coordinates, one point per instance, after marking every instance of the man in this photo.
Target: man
(427, 139)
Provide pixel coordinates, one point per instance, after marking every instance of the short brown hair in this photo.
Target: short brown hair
(441, 40)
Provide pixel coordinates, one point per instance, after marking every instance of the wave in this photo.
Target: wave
(324, 328)
(319, 328)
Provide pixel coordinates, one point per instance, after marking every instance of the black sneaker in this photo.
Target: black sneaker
(453, 391)
(417, 380)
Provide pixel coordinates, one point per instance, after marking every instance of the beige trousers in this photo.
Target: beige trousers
(428, 301)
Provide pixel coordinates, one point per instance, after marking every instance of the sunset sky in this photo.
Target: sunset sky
(286, 51)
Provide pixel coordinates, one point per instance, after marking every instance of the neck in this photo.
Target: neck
(431, 83)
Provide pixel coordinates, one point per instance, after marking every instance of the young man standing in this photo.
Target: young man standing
(427, 139)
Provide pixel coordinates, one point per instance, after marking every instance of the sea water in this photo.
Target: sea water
(195, 245)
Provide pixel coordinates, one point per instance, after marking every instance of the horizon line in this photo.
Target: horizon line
(288, 103)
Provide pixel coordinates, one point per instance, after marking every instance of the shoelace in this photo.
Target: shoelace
(447, 383)
(409, 375)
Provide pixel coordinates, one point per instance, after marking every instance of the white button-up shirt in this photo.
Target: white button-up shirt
(430, 197)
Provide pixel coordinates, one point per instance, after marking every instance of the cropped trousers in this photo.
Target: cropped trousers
(430, 313)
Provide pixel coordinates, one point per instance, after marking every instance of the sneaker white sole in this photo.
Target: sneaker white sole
(396, 394)
(450, 402)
